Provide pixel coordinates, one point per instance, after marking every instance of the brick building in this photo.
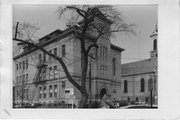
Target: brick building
(140, 77)
(40, 78)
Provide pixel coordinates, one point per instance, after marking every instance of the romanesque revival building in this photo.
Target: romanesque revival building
(40, 78)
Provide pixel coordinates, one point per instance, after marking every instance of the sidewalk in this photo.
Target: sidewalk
(128, 106)
(124, 107)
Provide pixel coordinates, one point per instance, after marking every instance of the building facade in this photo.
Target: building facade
(139, 79)
(39, 78)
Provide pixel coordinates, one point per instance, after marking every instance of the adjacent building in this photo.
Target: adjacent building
(139, 79)
(40, 78)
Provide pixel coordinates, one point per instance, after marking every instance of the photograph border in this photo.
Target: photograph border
(168, 68)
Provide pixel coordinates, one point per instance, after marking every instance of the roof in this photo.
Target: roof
(56, 32)
(61, 35)
(138, 67)
(116, 48)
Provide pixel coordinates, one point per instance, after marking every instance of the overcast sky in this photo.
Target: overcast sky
(138, 46)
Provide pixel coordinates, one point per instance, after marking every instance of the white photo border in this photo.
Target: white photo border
(168, 67)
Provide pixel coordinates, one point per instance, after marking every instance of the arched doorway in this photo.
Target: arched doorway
(103, 92)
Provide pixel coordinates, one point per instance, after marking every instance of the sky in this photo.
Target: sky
(137, 47)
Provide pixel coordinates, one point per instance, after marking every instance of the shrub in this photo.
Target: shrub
(123, 103)
(95, 104)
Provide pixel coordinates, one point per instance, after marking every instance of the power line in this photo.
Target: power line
(72, 55)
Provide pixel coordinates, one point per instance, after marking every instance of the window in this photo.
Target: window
(17, 80)
(50, 73)
(142, 85)
(55, 51)
(44, 74)
(114, 66)
(26, 77)
(40, 58)
(50, 56)
(63, 50)
(23, 65)
(26, 94)
(26, 64)
(106, 53)
(17, 67)
(155, 44)
(44, 92)
(23, 79)
(44, 57)
(50, 91)
(40, 92)
(146, 99)
(125, 86)
(63, 84)
(55, 72)
(137, 99)
(55, 91)
(114, 91)
(18, 94)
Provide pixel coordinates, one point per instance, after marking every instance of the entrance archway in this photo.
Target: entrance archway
(103, 92)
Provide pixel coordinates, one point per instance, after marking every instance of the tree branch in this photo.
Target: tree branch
(16, 31)
(90, 47)
(80, 11)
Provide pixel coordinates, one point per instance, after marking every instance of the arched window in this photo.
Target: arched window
(155, 44)
(114, 66)
(142, 85)
(125, 86)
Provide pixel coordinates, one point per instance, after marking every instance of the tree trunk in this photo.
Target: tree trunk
(84, 98)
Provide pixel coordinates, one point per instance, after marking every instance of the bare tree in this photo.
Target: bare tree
(27, 32)
(83, 17)
(87, 14)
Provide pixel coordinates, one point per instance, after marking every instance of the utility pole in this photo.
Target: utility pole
(150, 89)
(151, 98)
(90, 85)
